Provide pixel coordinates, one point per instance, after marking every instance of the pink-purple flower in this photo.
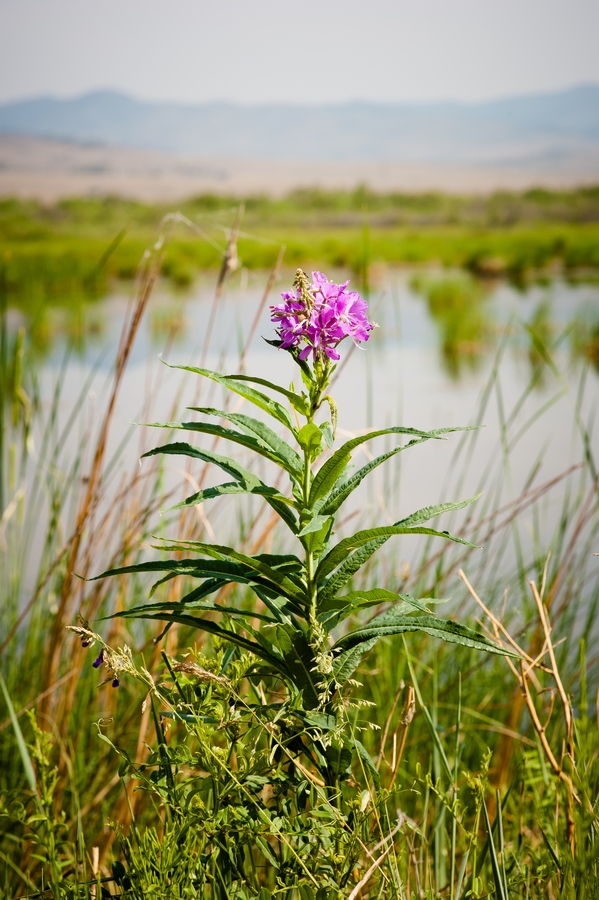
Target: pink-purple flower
(318, 318)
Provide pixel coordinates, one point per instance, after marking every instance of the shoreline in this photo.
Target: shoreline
(49, 171)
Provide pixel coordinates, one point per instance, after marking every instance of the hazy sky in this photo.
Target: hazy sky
(311, 51)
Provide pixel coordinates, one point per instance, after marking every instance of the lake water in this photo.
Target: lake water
(535, 403)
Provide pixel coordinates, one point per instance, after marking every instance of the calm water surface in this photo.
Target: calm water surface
(534, 404)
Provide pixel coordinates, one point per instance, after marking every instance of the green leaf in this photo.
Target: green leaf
(299, 659)
(220, 490)
(339, 494)
(271, 657)
(327, 476)
(429, 512)
(369, 763)
(218, 571)
(268, 854)
(283, 609)
(314, 719)
(274, 577)
(195, 568)
(327, 433)
(394, 622)
(349, 545)
(210, 586)
(274, 498)
(314, 524)
(348, 661)
(310, 439)
(306, 892)
(228, 434)
(339, 759)
(23, 751)
(268, 438)
(179, 448)
(333, 611)
(345, 571)
(197, 606)
(324, 480)
(235, 383)
(334, 415)
(298, 401)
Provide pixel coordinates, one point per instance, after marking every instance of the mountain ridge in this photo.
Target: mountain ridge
(513, 129)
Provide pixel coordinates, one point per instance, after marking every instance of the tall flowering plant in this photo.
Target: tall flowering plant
(302, 597)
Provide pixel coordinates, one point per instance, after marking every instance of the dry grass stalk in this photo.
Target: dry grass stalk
(407, 714)
(229, 264)
(70, 592)
(524, 675)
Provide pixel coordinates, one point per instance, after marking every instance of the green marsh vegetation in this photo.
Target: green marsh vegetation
(79, 245)
(477, 779)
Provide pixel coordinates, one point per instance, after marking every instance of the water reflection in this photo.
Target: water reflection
(541, 332)
(465, 319)
(79, 324)
(167, 319)
(585, 334)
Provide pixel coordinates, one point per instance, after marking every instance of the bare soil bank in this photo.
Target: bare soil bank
(51, 170)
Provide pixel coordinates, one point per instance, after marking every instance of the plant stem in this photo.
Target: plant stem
(309, 553)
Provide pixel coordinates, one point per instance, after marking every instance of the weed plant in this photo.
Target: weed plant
(478, 778)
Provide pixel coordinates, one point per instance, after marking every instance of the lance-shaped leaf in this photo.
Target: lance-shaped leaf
(409, 525)
(228, 434)
(221, 570)
(313, 524)
(180, 448)
(288, 584)
(337, 609)
(298, 401)
(270, 656)
(331, 503)
(429, 512)
(334, 416)
(236, 384)
(283, 609)
(186, 606)
(220, 490)
(394, 622)
(299, 659)
(339, 494)
(330, 470)
(349, 545)
(341, 576)
(274, 498)
(369, 763)
(347, 661)
(261, 432)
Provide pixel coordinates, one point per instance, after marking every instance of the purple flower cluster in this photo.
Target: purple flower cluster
(320, 317)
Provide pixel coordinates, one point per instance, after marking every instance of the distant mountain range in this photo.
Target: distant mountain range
(548, 128)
